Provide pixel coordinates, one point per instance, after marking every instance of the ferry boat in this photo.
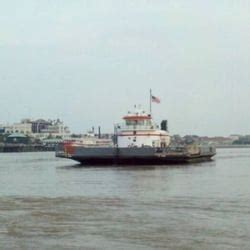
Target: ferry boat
(138, 140)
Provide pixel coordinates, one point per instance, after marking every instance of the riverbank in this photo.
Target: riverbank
(15, 148)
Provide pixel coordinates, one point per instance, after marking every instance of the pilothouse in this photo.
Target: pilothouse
(139, 130)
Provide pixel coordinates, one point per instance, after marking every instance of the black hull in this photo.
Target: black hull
(142, 161)
(134, 156)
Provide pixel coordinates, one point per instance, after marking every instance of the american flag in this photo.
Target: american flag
(155, 99)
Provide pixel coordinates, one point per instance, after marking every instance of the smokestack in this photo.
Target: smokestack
(93, 129)
(164, 125)
(99, 132)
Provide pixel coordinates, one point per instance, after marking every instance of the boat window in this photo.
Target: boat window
(141, 122)
(133, 123)
(128, 123)
(138, 122)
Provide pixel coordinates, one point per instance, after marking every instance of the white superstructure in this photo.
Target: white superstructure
(139, 130)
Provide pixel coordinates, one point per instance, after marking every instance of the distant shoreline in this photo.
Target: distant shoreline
(233, 146)
(24, 148)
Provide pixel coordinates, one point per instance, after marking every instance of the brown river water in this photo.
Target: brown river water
(49, 203)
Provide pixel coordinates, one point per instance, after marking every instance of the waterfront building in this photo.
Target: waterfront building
(17, 138)
(217, 140)
(243, 140)
(40, 129)
(39, 125)
(22, 128)
(52, 129)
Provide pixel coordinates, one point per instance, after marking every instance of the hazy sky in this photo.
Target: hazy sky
(89, 61)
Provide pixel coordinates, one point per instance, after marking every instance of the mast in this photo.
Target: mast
(150, 102)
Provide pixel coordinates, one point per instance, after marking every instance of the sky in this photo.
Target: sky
(90, 61)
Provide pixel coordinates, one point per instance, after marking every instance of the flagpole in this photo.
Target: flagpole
(150, 102)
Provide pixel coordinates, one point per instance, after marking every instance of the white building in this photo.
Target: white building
(56, 130)
(22, 128)
(51, 129)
